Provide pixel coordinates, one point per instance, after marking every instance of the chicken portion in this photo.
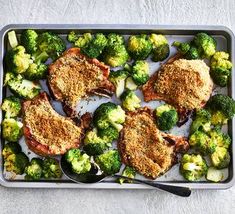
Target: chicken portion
(47, 132)
(185, 84)
(146, 149)
(74, 76)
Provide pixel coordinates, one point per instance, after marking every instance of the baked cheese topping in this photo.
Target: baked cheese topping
(51, 129)
(75, 77)
(186, 83)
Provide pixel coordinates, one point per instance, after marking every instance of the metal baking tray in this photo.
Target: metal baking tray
(226, 42)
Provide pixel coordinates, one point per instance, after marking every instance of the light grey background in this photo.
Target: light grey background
(221, 12)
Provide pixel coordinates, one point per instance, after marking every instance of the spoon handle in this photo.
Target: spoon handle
(177, 190)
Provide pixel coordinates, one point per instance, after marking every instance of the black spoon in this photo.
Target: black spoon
(95, 175)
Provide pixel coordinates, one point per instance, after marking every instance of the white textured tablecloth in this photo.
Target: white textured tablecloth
(203, 12)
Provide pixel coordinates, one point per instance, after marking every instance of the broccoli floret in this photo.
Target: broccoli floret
(51, 168)
(11, 129)
(129, 100)
(140, 72)
(22, 87)
(158, 40)
(182, 47)
(128, 172)
(220, 158)
(220, 68)
(12, 39)
(192, 53)
(83, 40)
(167, 117)
(36, 71)
(139, 47)
(161, 53)
(16, 163)
(72, 37)
(130, 84)
(28, 39)
(17, 61)
(11, 106)
(206, 45)
(202, 142)
(11, 148)
(52, 44)
(109, 162)
(222, 108)
(118, 79)
(201, 121)
(219, 138)
(109, 114)
(33, 170)
(95, 47)
(109, 134)
(72, 154)
(115, 53)
(193, 167)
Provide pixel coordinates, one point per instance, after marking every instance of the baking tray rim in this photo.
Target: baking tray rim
(111, 185)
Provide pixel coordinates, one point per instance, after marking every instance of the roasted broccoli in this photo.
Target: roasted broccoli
(220, 68)
(109, 134)
(109, 114)
(182, 47)
(83, 40)
(109, 162)
(161, 49)
(33, 170)
(202, 142)
(11, 148)
(16, 163)
(51, 168)
(219, 138)
(129, 100)
(206, 45)
(128, 172)
(193, 167)
(72, 37)
(118, 79)
(52, 44)
(140, 72)
(17, 60)
(95, 47)
(130, 84)
(220, 158)
(202, 121)
(167, 117)
(12, 39)
(11, 129)
(80, 163)
(139, 47)
(28, 39)
(36, 71)
(222, 108)
(22, 87)
(192, 53)
(115, 53)
(11, 106)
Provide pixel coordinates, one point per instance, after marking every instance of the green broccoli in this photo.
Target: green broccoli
(220, 158)
(22, 87)
(11, 148)
(11, 129)
(12, 39)
(192, 53)
(182, 47)
(219, 138)
(220, 68)
(109, 114)
(83, 40)
(161, 49)
(36, 71)
(130, 84)
(95, 47)
(51, 168)
(222, 108)
(80, 163)
(202, 142)
(167, 117)
(201, 121)
(33, 170)
(52, 44)
(28, 39)
(109, 134)
(17, 60)
(109, 162)
(118, 79)
(140, 72)
(193, 167)
(129, 100)
(139, 47)
(115, 39)
(206, 45)
(128, 172)
(11, 106)
(72, 37)
(16, 163)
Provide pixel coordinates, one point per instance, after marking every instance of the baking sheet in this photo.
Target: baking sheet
(225, 42)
